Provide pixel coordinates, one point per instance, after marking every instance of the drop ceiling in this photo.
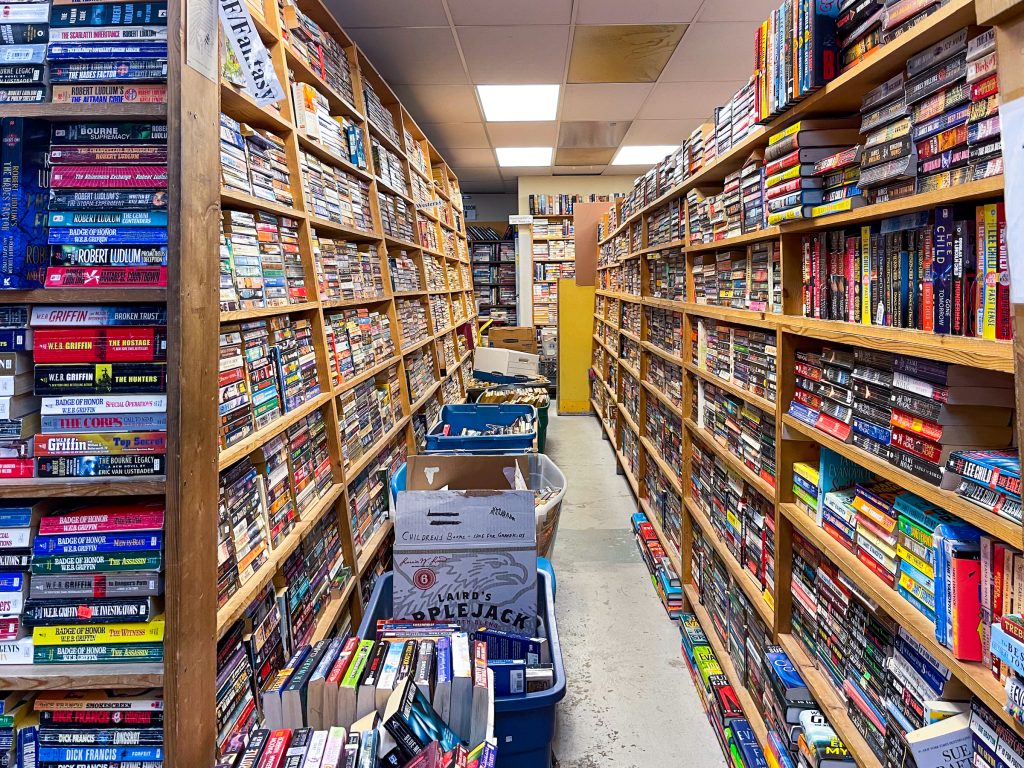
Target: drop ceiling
(631, 72)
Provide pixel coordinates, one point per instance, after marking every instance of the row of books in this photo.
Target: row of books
(747, 278)
(317, 49)
(404, 272)
(260, 263)
(742, 356)
(546, 205)
(358, 339)
(926, 417)
(745, 430)
(368, 495)
(743, 519)
(81, 583)
(666, 275)
(112, 53)
(664, 429)
(942, 271)
(663, 574)
(367, 412)
(665, 330)
(346, 271)
(253, 162)
(667, 378)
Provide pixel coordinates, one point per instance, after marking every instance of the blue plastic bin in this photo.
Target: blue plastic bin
(524, 726)
(477, 416)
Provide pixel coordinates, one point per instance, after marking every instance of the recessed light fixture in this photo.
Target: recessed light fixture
(518, 103)
(521, 157)
(643, 154)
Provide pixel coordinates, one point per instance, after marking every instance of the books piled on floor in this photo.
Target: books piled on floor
(663, 575)
(793, 186)
(914, 413)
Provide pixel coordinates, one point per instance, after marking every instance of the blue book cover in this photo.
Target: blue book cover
(15, 516)
(779, 750)
(99, 754)
(923, 513)
(506, 645)
(11, 581)
(925, 581)
(15, 340)
(24, 255)
(822, 49)
(837, 472)
(444, 660)
(78, 544)
(905, 282)
(1009, 650)
(28, 747)
(108, 218)
(101, 51)
(753, 757)
(949, 538)
(935, 677)
(787, 677)
(509, 676)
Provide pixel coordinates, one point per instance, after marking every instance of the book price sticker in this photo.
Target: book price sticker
(1012, 119)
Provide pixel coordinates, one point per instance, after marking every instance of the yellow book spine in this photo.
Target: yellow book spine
(793, 129)
(787, 175)
(991, 250)
(100, 634)
(914, 560)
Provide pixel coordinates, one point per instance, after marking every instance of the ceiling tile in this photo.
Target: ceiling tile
(423, 55)
(469, 158)
(510, 55)
(473, 13)
(648, 132)
(522, 134)
(681, 100)
(737, 10)
(603, 101)
(478, 174)
(708, 51)
(373, 13)
(636, 11)
(440, 103)
(481, 187)
(581, 156)
(462, 135)
(634, 53)
(591, 133)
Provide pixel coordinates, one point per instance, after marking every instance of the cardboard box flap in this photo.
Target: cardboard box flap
(464, 472)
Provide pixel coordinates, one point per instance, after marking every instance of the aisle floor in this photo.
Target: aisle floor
(630, 699)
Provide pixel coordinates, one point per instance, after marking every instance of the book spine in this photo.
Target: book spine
(1004, 327)
(109, 14)
(991, 272)
(98, 345)
(156, 422)
(100, 522)
(100, 466)
(113, 378)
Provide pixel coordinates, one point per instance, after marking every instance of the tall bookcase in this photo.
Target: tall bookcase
(439, 253)
(494, 274)
(645, 379)
(553, 256)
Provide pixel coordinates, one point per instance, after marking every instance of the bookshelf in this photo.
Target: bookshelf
(413, 207)
(650, 271)
(492, 248)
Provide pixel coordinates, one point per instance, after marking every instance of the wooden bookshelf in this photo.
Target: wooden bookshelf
(625, 242)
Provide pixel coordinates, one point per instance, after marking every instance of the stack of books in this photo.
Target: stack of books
(404, 272)
(667, 275)
(243, 538)
(272, 463)
(357, 339)
(389, 167)
(667, 224)
(664, 429)
(663, 575)
(699, 217)
(412, 321)
(990, 479)
(333, 194)
(110, 53)
(752, 194)
(310, 460)
(889, 157)
(318, 49)
(665, 502)
(396, 217)
(745, 430)
(840, 176)
(665, 330)
(792, 190)
(381, 117)
(858, 31)
(984, 129)
(419, 371)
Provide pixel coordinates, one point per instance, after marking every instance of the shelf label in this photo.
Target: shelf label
(1012, 120)
(429, 204)
(253, 58)
(520, 219)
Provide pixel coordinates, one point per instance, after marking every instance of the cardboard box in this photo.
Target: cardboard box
(505, 362)
(521, 339)
(466, 543)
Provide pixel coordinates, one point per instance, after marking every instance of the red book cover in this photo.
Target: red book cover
(277, 745)
(1014, 628)
(344, 658)
(106, 277)
(784, 162)
(16, 468)
(966, 609)
(10, 626)
(876, 568)
(927, 429)
(99, 345)
(916, 445)
(108, 177)
(836, 534)
(1004, 328)
(834, 427)
(997, 593)
(104, 518)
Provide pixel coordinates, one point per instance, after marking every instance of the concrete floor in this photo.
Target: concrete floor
(630, 700)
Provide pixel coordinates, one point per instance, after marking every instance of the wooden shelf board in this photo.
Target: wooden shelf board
(355, 469)
(431, 391)
(976, 676)
(49, 677)
(369, 550)
(361, 301)
(768, 320)
(629, 369)
(303, 73)
(676, 409)
(239, 450)
(666, 544)
(251, 314)
(336, 228)
(46, 488)
(408, 294)
(397, 242)
(740, 574)
(831, 704)
(51, 111)
(948, 500)
(751, 708)
(314, 148)
(369, 373)
(630, 421)
(965, 350)
(629, 335)
(707, 439)
(85, 296)
(740, 241)
(664, 355)
(230, 197)
(668, 246)
(759, 402)
(670, 474)
(239, 105)
(395, 192)
(628, 473)
(235, 606)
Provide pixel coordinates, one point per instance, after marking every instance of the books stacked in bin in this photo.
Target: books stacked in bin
(108, 202)
(792, 190)
(663, 575)
(111, 53)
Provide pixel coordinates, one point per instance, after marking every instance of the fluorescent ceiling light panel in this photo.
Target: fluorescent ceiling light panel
(518, 103)
(643, 155)
(522, 157)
